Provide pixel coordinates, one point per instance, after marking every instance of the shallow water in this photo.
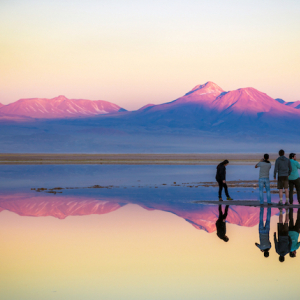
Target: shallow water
(138, 235)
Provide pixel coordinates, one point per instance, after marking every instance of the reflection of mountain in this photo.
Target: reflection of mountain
(200, 216)
(205, 216)
(25, 205)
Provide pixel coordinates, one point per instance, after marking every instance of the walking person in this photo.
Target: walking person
(264, 232)
(294, 179)
(264, 180)
(284, 168)
(221, 179)
(284, 243)
(221, 225)
(294, 230)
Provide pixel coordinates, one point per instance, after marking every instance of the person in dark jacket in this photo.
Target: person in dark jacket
(221, 179)
(221, 225)
(284, 168)
(284, 244)
(294, 179)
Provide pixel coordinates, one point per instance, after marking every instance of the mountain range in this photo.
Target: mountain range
(208, 97)
(205, 119)
(58, 107)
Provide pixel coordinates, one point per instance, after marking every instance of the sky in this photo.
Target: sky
(133, 52)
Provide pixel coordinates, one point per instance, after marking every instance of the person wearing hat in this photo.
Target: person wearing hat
(294, 180)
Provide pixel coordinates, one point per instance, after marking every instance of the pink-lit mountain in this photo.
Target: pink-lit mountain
(206, 118)
(208, 107)
(295, 104)
(207, 101)
(211, 97)
(59, 107)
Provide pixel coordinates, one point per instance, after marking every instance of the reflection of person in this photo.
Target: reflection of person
(264, 170)
(294, 232)
(264, 231)
(221, 225)
(284, 168)
(284, 243)
(294, 179)
(221, 179)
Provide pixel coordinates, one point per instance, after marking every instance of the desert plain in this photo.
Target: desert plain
(133, 158)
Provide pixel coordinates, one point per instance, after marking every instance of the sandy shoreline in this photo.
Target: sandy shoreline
(133, 159)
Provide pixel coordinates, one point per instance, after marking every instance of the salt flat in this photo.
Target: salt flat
(133, 159)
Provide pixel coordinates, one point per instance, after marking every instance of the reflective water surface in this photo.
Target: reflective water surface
(133, 232)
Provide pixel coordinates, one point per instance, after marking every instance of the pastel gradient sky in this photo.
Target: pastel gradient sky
(136, 52)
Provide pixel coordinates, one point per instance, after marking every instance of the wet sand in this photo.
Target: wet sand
(248, 203)
(133, 159)
(241, 184)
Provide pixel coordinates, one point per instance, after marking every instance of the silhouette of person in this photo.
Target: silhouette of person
(221, 224)
(284, 243)
(294, 232)
(221, 179)
(264, 231)
(294, 179)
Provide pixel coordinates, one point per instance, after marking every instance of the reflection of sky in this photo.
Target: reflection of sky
(132, 252)
(136, 254)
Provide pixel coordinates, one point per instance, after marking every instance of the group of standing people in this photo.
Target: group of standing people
(285, 169)
(287, 179)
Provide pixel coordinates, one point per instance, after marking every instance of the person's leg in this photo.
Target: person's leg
(220, 212)
(225, 212)
(297, 185)
(267, 184)
(297, 225)
(226, 189)
(220, 188)
(286, 196)
(286, 221)
(286, 189)
(261, 188)
(267, 226)
(291, 217)
(280, 216)
(280, 195)
(261, 220)
(291, 190)
(280, 187)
